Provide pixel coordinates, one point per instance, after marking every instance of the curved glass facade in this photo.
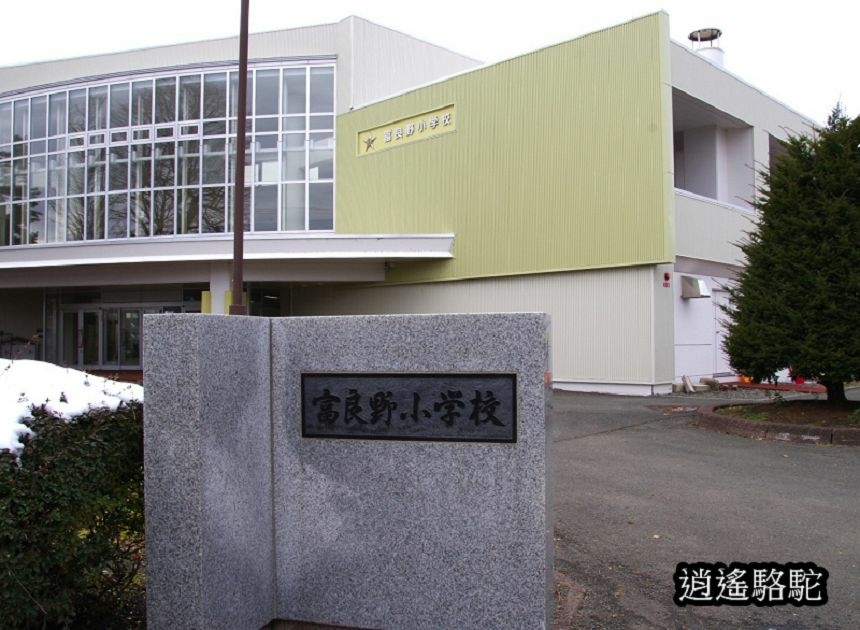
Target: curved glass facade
(153, 155)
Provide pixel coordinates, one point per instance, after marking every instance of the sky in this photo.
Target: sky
(803, 54)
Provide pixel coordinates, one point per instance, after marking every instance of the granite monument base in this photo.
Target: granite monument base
(374, 472)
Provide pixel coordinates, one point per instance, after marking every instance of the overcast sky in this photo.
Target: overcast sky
(804, 54)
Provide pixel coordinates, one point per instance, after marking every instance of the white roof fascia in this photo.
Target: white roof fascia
(364, 247)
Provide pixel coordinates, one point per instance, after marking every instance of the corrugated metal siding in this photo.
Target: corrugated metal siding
(664, 325)
(602, 321)
(387, 61)
(559, 162)
(708, 230)
(668, 136)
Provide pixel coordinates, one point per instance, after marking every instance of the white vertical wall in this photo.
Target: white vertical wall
(698, 330)
(663, 304)
(740, 169)
(220, 281)
(761, 152)
(611, 329)
(718, 163)
(701, 161)
(384, 61)
(707, 228)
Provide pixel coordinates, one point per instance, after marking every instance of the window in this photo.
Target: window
(155, 156)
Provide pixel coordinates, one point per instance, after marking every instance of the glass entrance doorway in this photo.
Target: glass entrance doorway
(122, 335)
(104, 337)
(80, 343)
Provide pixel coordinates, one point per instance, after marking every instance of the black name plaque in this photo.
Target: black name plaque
(449, 407)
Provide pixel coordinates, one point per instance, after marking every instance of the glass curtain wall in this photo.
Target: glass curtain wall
(153, 157)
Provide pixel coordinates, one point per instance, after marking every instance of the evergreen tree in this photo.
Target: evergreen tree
(796, 304)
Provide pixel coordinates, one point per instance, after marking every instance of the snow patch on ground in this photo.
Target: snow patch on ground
(65, 392)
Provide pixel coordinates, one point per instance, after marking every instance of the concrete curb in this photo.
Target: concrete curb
(806, 434)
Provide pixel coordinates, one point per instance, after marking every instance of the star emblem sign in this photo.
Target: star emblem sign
(368, 143)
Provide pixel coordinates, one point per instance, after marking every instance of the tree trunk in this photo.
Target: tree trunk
(835, 391)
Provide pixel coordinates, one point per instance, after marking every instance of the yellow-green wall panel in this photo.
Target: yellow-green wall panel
(559, 161)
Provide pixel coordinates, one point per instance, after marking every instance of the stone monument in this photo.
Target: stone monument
(372, 472)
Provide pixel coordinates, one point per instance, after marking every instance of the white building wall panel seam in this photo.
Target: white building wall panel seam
(601, 320)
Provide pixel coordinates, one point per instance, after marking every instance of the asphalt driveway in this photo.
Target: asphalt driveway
(638, 490)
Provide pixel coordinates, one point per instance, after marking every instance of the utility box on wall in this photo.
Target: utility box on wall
(694, 287)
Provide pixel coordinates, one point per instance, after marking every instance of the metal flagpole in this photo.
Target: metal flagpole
(238, 304)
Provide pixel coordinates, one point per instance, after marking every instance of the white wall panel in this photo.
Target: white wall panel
(740, 168)
(387, 61)
(664, 325)
(603, 327)
(698, 331)
(708, 229)
(700, 161)
(695, 361)
(701, 79)
(148, 273)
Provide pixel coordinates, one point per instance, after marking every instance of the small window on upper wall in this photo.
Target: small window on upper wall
(234, 93)
(322, 89)
(189, 97)
(165, 100)
(320, 206)
(77, 111)
(97, 114)
(215, 95)
(38, 117)
(119, 110)
(295, 90)
(214, 128)
(57, 114)
(322, 122)
(5, 123)
(266, 98)
(141, 103)
(21, 127)
(295, 123)
(265, 124)
(265, 208)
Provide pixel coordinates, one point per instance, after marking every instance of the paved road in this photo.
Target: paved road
(637, 491)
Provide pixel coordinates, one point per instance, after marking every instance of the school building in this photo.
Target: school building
(605, 180)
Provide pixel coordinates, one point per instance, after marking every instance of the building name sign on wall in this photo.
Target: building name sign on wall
(410, 406)
(407, 130)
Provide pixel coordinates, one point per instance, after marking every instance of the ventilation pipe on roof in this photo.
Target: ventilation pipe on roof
(711, 51)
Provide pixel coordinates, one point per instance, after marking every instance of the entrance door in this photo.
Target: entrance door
(108, 337)
(122, 330)
(129, 337)
(80, 338)
(721, 359)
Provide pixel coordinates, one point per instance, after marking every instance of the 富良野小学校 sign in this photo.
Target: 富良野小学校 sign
(452, 407)
(407, 130)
